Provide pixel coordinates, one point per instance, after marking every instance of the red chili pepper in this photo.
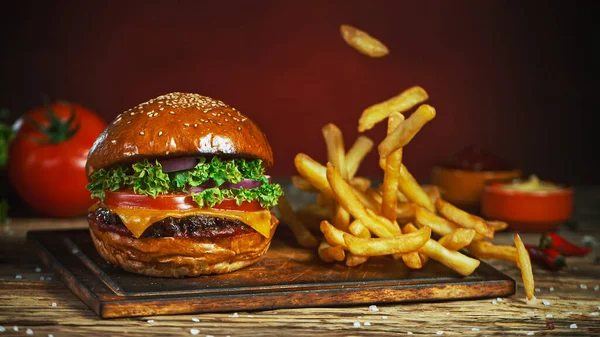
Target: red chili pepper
(566, 248)
(547, 257)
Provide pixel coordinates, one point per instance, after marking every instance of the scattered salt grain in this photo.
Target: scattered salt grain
(499, 299)
(583, 286)
(447, 314)
(250, 316)
(29, 332)
(530, 333)
(409, 333)
(194, 331)
(595, 313)
(530, 313)
(549, 316)
(596, 288)
(546, 302)
(150, 321)
(356, 324)
(599, 307)
(38, 269)
(18, 277)
(53, 304)
(48, 278)
(367, 324)
(210, 336)
(474, 329)
(50, 335)
(235, 314)
(439, 332)
(2, 329)
(385, 317)
(42, 278)
(537, 290)
(573, 326)
(494, 302)
(551, 288)
(195, 319)
(373, 308)
(15, 328)
(74, 251)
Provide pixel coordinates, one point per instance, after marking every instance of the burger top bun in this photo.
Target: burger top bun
(178, 125)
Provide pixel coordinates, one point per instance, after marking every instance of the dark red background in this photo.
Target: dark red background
(516, 78)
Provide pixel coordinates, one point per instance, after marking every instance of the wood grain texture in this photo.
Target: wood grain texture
(27, 303)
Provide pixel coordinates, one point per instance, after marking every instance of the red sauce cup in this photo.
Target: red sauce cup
(527, 211)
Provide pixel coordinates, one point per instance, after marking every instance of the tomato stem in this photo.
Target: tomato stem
(57, 131)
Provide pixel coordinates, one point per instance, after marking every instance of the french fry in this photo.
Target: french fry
(314, 172)
(454, 260)
(341, 218)
(405, 211)
(369, 201)
(357, 229)
(433, 192)
(524, 263)
(439, 225)
(363, 42)
(336, 154)
(355, 260)
(360, 183)
(408, 185)
(401, 103)
(303, 235)
(345, 195)
(487, 250)
(464, 219)
(330, 253)
(412, 260)
(498, 226)
(391, 173)
(458, 239)
(405, 132)
(303, 184)
(361, 147)
(334, 236)
(403, 243)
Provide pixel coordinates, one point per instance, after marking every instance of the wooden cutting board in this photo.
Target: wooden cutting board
(286, 277)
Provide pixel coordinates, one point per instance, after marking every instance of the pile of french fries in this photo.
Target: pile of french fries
(400, 218)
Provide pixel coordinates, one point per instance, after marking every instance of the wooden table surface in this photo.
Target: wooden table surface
(34, 301)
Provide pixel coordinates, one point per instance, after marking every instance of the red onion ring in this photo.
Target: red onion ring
(178, 164)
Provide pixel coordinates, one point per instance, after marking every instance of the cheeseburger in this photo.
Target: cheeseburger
(181, 188)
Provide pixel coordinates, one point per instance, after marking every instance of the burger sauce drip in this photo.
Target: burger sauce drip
(193, 227)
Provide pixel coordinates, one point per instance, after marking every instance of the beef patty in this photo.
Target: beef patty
(196, 226)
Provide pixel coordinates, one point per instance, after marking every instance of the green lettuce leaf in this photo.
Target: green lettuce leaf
(267, 195)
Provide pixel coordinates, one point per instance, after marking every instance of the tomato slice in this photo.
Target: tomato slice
(176, 201)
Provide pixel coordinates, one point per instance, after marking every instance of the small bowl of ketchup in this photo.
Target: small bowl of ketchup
(462, 179)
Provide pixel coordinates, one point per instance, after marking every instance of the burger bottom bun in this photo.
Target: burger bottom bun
(179, 257)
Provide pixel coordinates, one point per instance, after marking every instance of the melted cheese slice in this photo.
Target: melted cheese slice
(137, 220)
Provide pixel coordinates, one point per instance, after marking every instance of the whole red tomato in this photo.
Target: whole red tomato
(47, 158)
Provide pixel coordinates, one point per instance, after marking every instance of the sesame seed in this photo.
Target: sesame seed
(573, 326)
(194, 331)
(113, 141)
(356, 324)
(29, 331)
(141, 133)
(18, 277)
(132, 113)
(195, 319)
(239, 128)
(226, 120)
(546, 302)
(161, 108)
(150, 321)
(373, 308)
(186, 124)
(474, 329)
(155, 114)
(195, 125)
(160, 133)
(172, 112)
